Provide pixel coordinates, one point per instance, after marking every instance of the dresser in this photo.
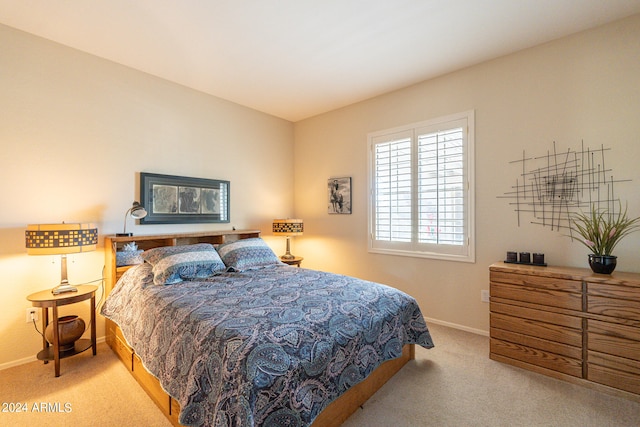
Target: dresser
(568, 323)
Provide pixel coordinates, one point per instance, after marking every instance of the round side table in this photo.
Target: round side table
(46, 300)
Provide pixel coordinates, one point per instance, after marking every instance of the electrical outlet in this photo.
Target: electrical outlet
(32, 314)
(484, 295)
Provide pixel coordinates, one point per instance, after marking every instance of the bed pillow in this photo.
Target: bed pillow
(247, 254)
(173, 264)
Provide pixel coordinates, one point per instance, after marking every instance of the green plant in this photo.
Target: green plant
(601, 230)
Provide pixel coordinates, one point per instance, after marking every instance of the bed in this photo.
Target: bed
(238, 338)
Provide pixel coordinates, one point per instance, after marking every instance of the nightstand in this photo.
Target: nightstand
(295, 261)
(46, 300)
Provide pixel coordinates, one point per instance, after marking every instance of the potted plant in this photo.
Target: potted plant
(601, 230)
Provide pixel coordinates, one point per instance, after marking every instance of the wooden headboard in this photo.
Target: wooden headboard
(114, 243)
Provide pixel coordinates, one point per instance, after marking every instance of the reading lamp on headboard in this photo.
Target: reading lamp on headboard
(137, 211)
(61, 239)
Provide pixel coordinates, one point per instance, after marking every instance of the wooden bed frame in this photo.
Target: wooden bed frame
(333, 415)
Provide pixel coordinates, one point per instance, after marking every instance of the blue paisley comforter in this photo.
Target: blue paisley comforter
(269, 347)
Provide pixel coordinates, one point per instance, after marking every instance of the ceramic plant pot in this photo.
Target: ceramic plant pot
(70, 328)
(602, 264)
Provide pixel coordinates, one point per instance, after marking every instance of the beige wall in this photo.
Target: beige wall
(76, 130)
(584, 87)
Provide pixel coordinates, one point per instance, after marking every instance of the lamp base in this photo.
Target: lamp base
(287, 254)
(61, 289)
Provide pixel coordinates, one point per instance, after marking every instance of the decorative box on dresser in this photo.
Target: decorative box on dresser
(568, 323)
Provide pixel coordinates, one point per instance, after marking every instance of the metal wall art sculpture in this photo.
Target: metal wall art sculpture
(551, 187)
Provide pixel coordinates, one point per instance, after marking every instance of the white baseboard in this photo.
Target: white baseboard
(30, 359)
(18, 362)
(456, 326)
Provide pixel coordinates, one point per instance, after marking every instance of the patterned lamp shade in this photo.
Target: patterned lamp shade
(61, 239)
(288, 227)
(55, 239)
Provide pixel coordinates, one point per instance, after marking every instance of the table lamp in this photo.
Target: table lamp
(61, 239)
(288, 228)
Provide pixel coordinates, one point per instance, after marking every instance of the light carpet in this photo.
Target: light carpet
(453, 384)
(456, 384)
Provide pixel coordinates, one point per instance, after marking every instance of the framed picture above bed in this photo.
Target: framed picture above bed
(172, 199)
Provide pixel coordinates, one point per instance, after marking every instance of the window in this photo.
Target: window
(421, 189)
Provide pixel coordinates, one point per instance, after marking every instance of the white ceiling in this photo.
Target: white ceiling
(298, 58)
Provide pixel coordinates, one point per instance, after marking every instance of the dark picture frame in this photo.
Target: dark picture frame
(339, 194)
(171, 199)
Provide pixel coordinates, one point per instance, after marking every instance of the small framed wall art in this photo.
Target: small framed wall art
(172, 199)
(339, 193)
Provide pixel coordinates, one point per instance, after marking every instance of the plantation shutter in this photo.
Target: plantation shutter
(441, 181)
(420, 198)
(393, 188)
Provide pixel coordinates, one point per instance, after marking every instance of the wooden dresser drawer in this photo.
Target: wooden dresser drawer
(614, 378)
(537, 357)
(617, 308)
(613, 362)
(541, 344)
(614, 291)
(534, 313)
(551, 283)
(538, 329)
(610, 338)
(542, 296)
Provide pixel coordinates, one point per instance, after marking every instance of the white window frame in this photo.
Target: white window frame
(464, 252)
